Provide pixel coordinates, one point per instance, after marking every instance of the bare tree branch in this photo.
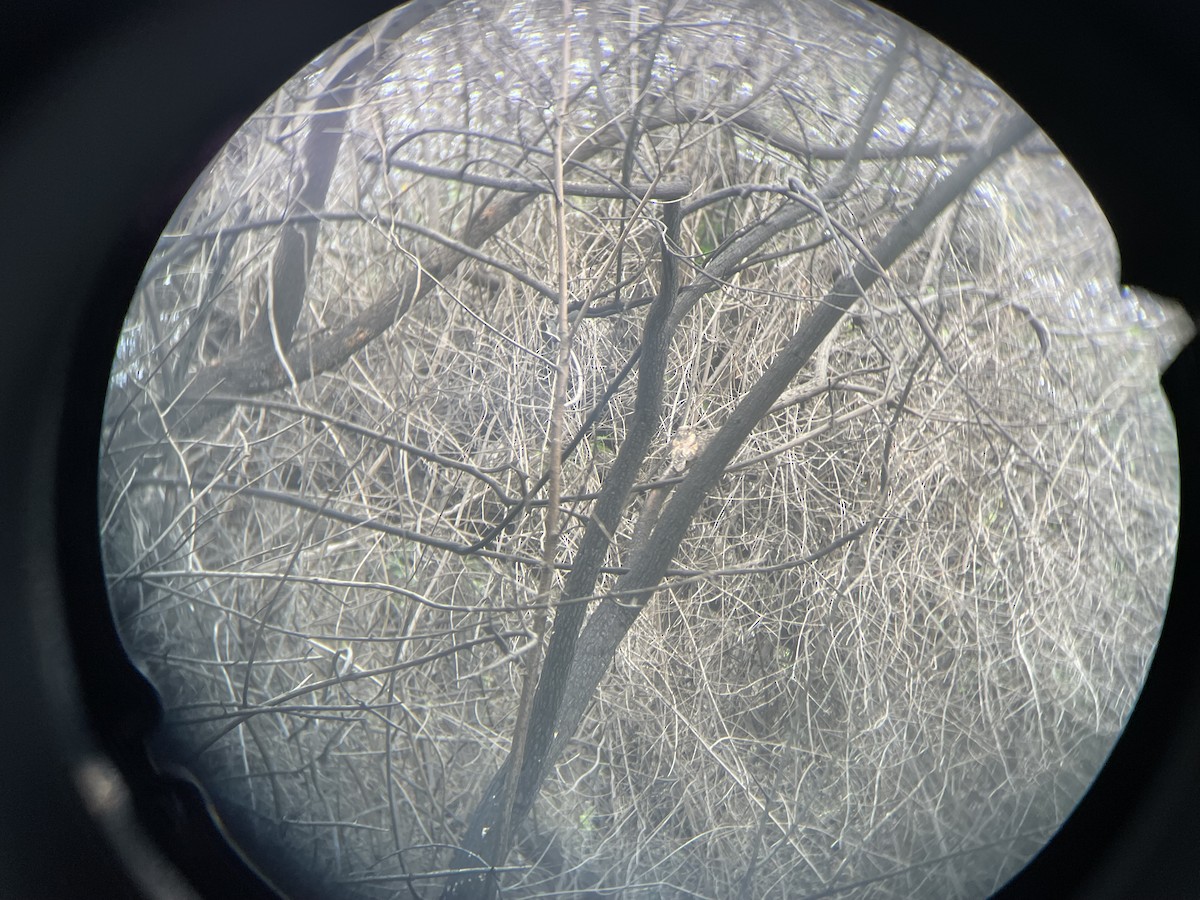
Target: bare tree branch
(613, 618)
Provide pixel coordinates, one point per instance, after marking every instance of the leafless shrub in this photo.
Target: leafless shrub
(904, 626)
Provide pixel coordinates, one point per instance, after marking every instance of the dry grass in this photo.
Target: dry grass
(907, 712)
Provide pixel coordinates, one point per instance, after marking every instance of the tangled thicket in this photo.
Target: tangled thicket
(901, 634)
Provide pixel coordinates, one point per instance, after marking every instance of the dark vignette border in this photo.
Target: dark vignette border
(108, 113)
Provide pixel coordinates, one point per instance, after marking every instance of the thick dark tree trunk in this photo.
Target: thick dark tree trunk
(596, 645)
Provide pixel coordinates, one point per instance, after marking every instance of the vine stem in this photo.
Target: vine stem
(554, 454)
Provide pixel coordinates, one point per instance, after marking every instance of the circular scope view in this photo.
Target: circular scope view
(643, 449)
